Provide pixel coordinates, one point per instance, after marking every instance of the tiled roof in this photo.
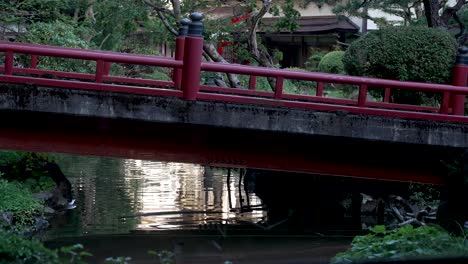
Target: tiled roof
(314, 24)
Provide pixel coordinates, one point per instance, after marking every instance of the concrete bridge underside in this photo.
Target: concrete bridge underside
(226, 134)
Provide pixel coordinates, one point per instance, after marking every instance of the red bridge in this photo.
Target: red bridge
(82, 113)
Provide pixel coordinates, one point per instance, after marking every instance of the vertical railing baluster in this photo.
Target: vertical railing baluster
(279, 87)
(252, 82)
(107, 68)
(444, 104)
(33, 63)
(9, 63)
(362, 95)
(386, 98)
(319, 91)
(99, 71)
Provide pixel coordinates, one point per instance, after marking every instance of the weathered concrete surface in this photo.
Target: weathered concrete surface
(230, 115)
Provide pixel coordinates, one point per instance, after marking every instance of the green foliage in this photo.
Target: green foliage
(15, 249)
(9, 157)
(289, 86)
(287, 20)
(297, 86)
(59, 34)
(157, 75)
(27, 169)
(399, 8)
(313, 61)
(404, 243)
(115, 20)
(29, 11)
(332, 62)
(18, 200)
(403, 53)
(164, 256)
(74, 254)
(118, 260)
(424, 194)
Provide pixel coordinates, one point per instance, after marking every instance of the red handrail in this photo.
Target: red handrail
(330, 78)
(92, 55)
(187, 80)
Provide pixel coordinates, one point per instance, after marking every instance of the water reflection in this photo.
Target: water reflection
(108, 189)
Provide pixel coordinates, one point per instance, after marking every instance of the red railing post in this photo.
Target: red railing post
(99, 71)
(8, 62)
(386, 98)
(33, 63)
(459, 78)
(362, 95)
(319, 91)
(106, 68)
(192, 58)
(252, 82)
(279, 87)
(179, 51)
(444, 104)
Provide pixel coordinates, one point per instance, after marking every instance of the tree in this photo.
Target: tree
(120, 25)
(170, 12)
(436, 13)
(405, 54)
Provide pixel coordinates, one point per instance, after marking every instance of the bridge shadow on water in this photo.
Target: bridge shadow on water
(297, 208)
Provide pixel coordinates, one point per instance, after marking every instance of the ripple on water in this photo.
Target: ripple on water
(107, 189)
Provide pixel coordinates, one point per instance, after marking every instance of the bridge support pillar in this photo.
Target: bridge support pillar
(190, 84)
(459, 78)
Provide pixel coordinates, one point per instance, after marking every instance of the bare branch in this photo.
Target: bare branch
(158, 8)
(461, 36)
(254, 25)
(166, 23)
(176, 9)
(262, 57)
(451, 11)
(104, 41)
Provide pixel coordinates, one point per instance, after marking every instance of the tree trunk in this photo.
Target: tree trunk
(431, 11)
(261, 56)
(210, 49)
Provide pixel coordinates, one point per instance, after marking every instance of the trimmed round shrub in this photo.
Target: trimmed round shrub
(403, 53)
(332, 62)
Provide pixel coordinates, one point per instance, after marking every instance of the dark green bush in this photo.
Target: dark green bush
(289, 86)
(15, 249)
(63, 35)
(418, 54)
(404, 243)
(299, 87)
(403, 53)
(332, 62)
(18, 201)
(26, 168)
(157, 75)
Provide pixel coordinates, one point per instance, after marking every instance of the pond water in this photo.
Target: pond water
(109, 192)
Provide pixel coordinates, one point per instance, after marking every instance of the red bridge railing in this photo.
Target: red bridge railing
(187, 67)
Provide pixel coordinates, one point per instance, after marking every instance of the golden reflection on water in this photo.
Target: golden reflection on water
(175, 187)
(108, 191)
